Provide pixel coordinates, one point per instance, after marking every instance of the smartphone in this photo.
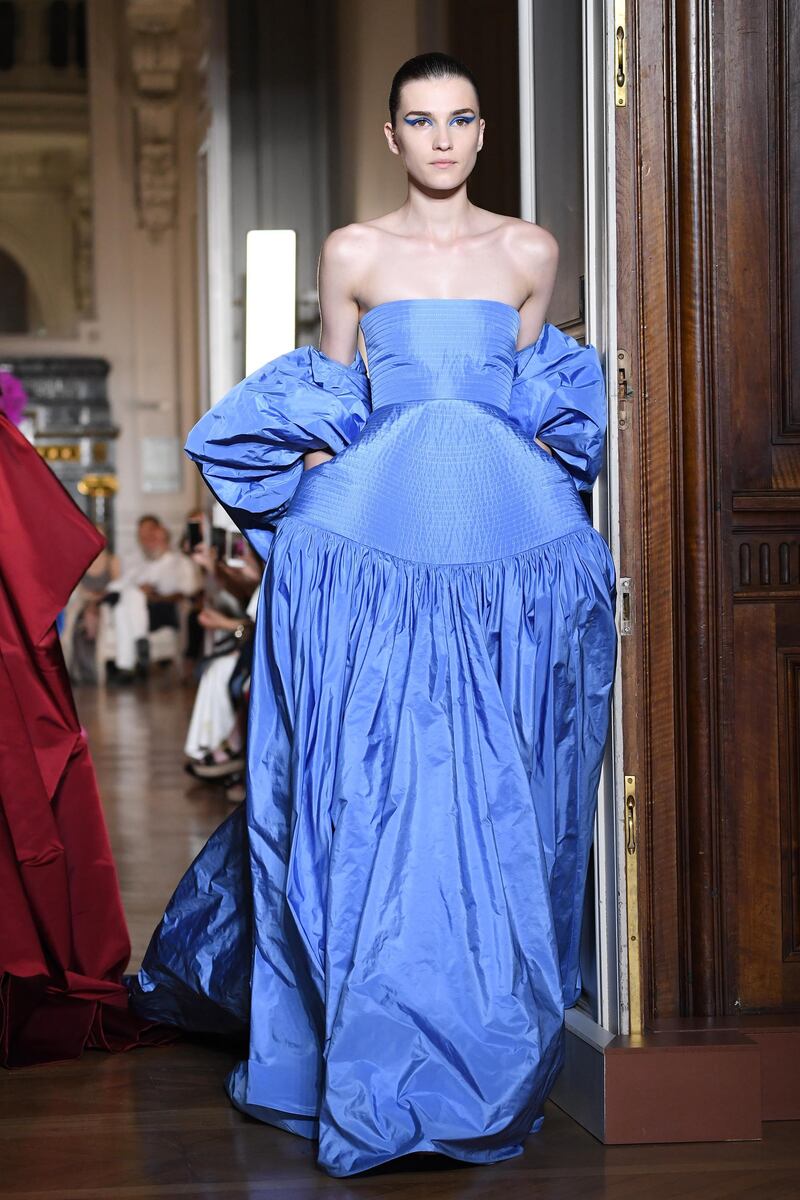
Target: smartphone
(235, 551)
(219, 542)
(194, 534)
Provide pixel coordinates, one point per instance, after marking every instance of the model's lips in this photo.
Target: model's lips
(443, 162)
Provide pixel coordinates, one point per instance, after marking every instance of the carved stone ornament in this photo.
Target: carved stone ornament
(82, 253)
(156, 63)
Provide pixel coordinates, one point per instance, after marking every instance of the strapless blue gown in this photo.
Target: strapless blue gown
(394, 916)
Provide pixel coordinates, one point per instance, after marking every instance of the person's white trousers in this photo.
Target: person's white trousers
(213, 717)
(130, 621)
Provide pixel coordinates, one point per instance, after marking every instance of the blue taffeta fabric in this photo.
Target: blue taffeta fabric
(393, 917)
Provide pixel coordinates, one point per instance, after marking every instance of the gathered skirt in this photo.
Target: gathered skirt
(394, 918)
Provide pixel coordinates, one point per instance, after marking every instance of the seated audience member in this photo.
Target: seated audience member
(214, 744)
(212, 738)
(146, 598)
(80, 634)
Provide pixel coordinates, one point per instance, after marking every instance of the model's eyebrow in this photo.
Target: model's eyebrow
(420, 112)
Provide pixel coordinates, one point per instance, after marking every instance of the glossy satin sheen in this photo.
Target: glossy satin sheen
(469, 351)
(395, 918)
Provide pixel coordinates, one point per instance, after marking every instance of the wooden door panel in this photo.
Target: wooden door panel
(756, 167)
(709, 235)
(762, 927)
(788, 670)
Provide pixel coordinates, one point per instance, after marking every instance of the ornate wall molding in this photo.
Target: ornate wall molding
(765, 545)
(156, 61)
(83, 247)
(49, 169)
(37, 179)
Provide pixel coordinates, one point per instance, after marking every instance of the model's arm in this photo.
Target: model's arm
(536, 251)
(338, 306)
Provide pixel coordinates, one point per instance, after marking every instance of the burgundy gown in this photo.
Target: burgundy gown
(63, 937)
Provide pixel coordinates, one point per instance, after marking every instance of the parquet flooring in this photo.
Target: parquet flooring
(155, 1124)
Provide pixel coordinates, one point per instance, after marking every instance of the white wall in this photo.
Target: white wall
(145, 284)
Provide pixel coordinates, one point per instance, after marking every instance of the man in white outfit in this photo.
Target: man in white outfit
(149, 591)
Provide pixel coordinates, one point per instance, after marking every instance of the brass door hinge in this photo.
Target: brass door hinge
(624, 389)
(632, 905)
(625, 591)
(620, 54)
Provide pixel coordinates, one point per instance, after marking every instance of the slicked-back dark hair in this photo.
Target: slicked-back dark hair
(427, 66)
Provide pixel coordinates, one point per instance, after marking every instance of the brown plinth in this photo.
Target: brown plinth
(680, 1087)
(778, 1040)
(701, 1080)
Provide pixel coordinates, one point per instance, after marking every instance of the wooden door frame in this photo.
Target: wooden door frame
(699, 1070)
(668, 504)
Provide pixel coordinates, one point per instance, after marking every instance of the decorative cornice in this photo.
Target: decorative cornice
(48, 113)
(156, 62)
(36, 168)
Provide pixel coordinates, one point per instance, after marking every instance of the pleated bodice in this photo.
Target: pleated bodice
(441, 349)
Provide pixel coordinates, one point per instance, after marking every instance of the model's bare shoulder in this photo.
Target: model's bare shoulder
(531, 253)
(534, 252)
(342, 246)
(346, 256)
(535, 243)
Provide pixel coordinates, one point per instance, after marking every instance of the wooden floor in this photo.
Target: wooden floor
(156, 1123)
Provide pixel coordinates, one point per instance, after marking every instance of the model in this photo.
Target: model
(395, 917)
(63, 937)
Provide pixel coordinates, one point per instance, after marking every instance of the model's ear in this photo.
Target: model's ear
(390, 138)
(480, 135)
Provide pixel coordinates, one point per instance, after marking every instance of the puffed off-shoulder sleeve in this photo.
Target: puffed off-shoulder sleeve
(558, 394)
(250, 445)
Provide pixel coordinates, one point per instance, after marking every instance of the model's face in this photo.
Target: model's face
(438, 131)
